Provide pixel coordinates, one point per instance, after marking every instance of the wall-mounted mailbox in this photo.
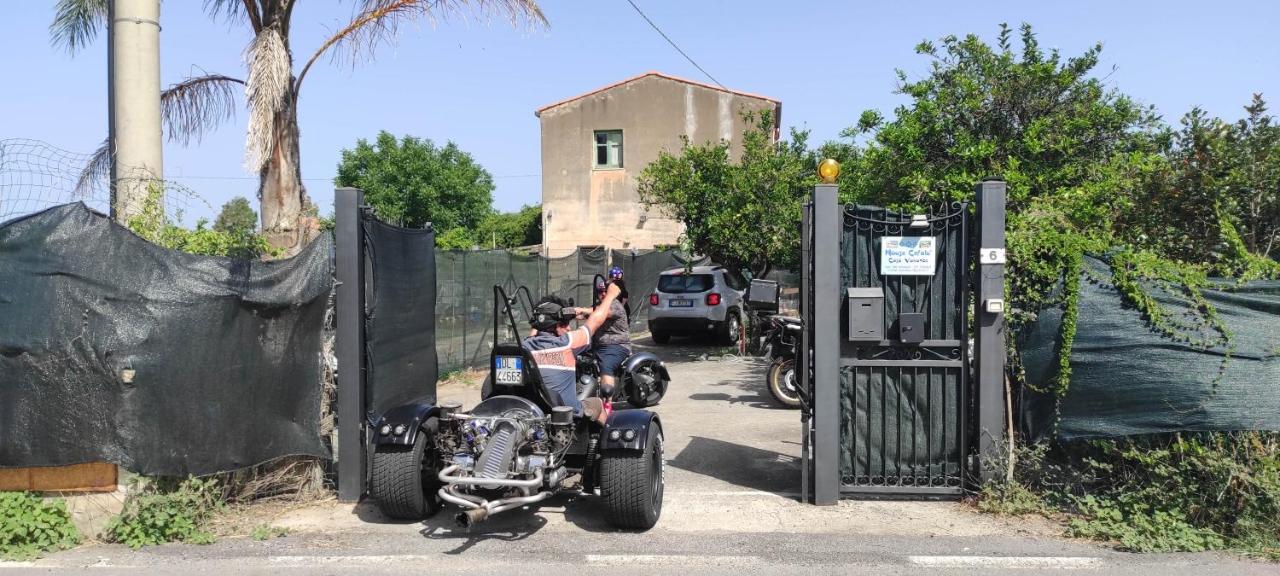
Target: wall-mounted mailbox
(866, 314)
(911, 327)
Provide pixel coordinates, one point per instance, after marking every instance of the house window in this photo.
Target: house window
(608, 149)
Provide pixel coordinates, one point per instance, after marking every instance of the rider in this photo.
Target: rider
(554, 345)
(612, 342)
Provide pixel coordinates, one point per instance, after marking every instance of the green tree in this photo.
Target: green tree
(1220, 200)
(196, 105)
(236, 217)
(1044, 123)
(511, 229)
(411, 182)
(743, 213)
(154, 226)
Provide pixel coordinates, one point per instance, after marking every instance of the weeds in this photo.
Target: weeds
(30, 526)
(161, 511)
(1011, 499)
(1166, 493)
(264, 532)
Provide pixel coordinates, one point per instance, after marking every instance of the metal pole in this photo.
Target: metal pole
(350, 342)
(990, 345)
(826, 345)
(802, 363)
(134, 95)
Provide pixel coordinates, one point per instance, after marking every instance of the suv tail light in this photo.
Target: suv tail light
(653, 299)
(713, 299)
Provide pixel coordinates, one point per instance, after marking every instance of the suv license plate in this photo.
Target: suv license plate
(682, 303)
(508, 369)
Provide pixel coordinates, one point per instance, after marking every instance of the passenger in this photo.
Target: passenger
(612, 342)
(554, 345)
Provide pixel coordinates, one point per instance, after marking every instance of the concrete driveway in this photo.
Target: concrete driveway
(731, 507)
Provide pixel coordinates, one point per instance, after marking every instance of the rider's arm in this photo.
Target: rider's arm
(601, 312)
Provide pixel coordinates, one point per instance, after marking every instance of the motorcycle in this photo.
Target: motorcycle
(642, 378)
(782, 334)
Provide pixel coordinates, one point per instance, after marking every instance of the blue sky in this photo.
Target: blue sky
(478, 83)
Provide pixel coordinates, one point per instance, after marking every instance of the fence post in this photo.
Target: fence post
(349, 248)
(990, 344)
(826, 345)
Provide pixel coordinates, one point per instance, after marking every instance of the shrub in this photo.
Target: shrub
(1012, 499)
(30, 525)
(1161, 493)
(162, 512)
(1139, 527)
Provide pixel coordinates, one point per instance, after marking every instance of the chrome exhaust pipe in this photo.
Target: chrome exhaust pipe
(470, 517)
(479, 509)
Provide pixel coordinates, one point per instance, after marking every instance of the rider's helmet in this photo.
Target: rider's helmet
(615, 273)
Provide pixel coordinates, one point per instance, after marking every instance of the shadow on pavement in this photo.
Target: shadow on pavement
(750, 391)
(740, 465)
(509, 526)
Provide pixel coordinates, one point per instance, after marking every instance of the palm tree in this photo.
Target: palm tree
(198, 104)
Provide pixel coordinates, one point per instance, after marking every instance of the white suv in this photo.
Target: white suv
(705, 299)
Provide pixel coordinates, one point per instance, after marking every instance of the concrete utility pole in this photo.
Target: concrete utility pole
(133, 94)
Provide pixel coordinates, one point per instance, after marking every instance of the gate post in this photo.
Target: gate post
(990, 344)
(826, 345)
(349, 250)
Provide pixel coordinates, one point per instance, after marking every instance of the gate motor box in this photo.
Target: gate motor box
(866, 314)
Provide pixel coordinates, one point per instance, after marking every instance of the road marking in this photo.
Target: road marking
(665, 559)
(1006, 561)
(370, 559)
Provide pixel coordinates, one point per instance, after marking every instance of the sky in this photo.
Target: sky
(477, 82)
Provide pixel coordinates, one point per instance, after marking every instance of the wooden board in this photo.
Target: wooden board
(91, 477)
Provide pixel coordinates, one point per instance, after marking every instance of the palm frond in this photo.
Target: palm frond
(76, 23)
(270, 77)
(379, 21)
(96, 171)
(197, 105)
(234, 11)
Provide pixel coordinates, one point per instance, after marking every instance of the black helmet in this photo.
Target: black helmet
(550, 312)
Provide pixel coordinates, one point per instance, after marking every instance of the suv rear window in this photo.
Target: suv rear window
(685, 284)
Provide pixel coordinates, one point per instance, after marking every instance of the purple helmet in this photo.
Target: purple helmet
(615, 273)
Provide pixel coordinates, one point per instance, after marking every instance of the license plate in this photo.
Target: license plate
(508, 369)
(682, 303)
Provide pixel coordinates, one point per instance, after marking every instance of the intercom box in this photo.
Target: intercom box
(911, 327)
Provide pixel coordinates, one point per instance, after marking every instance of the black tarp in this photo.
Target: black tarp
(400, 316)
(225, 354)
(1127, 379)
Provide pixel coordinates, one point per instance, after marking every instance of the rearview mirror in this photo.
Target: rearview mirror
(571, 302)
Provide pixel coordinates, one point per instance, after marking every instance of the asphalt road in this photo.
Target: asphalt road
(730, 508)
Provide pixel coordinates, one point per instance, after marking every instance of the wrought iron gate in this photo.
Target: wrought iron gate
(903, 394)
(904, 402)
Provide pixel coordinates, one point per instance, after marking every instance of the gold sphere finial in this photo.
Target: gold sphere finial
(828, 170)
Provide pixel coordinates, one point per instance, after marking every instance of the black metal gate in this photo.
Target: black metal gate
(903, 383)
(908, 397)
